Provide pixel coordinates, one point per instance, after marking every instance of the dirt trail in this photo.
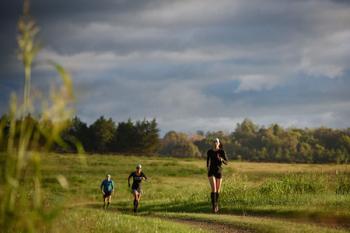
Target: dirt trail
(210, 226)
(332, 222)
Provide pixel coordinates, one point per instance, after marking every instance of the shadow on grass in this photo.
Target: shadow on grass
(319, 217)
(197, 207)
(111, 208)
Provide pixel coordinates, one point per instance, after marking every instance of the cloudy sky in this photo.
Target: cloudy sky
(192, 64)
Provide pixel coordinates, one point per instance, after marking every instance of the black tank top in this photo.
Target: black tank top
(213, 159)
(137, 179)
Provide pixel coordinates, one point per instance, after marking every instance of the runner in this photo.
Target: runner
(107, 188)
(215, 158)
(136, 189)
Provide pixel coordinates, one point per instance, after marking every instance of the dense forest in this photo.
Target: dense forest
(247, 141)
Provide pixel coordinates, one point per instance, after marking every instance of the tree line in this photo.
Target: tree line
(250, 142)
(247, 141)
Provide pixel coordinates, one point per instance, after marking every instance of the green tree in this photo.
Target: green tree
(102, 132)
(125, 136)
(245, 135)
(147, 136)
(141, 137)
(76, 134)
(178, 144)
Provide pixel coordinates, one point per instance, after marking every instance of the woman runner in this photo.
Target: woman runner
(215, 158)
(107, 188)
(136, 189)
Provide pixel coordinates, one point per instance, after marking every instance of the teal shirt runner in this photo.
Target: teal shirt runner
(107, 186)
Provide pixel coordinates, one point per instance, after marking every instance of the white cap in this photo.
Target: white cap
(139, 166)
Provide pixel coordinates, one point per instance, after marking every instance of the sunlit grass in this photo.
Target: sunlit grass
(169, 189)
(97, 220)
(304, 196)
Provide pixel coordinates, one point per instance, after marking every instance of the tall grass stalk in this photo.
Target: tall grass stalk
(22, 206)
(28, 49)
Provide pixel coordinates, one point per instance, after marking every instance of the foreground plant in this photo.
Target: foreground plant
(24, 141)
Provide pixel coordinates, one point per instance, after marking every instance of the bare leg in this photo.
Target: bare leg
(104, 202)
(136, 198)
(218, 184)
(139, 197)
(212, 183)
(109, 198)
(218, 189)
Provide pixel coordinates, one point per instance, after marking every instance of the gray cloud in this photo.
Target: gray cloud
(194, 64)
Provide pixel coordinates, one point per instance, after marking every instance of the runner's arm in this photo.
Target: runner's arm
(129, 179)
(208, 159)
(101, 187)
(144, 176)
(224, 158)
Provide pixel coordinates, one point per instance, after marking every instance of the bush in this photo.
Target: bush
(178, 144)
(343, 185)
(294, 184)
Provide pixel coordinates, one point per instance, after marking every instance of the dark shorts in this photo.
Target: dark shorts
(216, 174)
(139, 190)
(107, 194)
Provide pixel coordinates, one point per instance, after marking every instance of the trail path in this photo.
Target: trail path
(214, 226)
(322, 221)
(210, 226)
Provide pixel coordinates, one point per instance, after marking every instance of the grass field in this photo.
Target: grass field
(256, 197)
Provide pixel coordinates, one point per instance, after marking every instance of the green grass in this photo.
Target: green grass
(311, 194)
(99, 221)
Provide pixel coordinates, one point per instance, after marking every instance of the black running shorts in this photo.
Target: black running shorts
(139, 190)
(216, 174)
(107, 194)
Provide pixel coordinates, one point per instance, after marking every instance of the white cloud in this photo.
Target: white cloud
(328, 56)
(192, 124)
(198, 12)
(257, 82)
